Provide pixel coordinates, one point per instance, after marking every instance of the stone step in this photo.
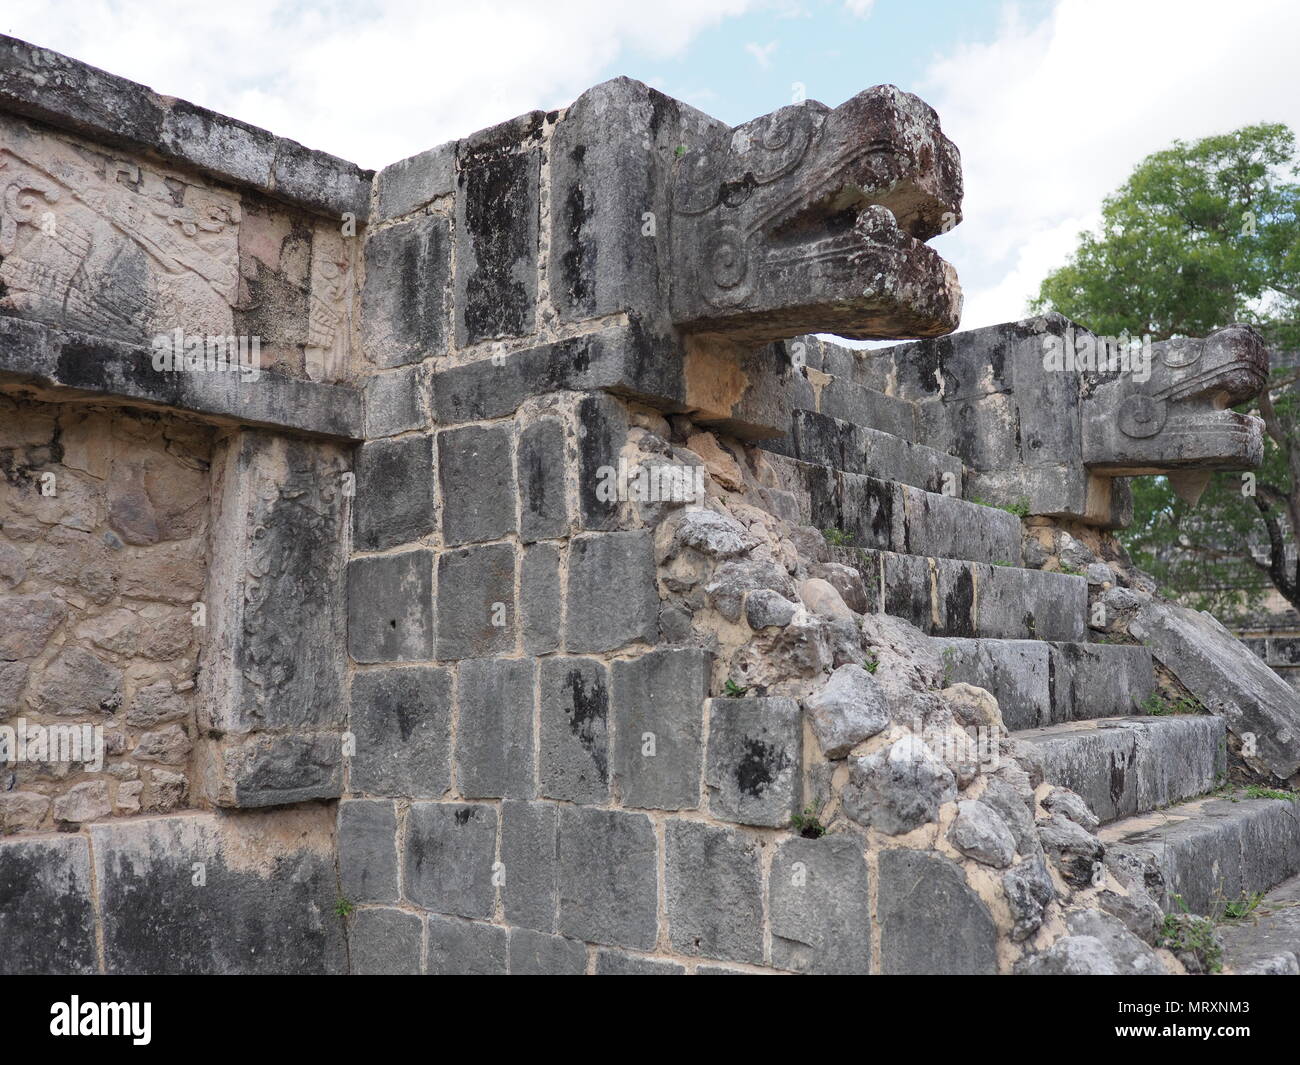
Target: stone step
(1209, 851)
(848, 401)
(1267, 940)
(1131, 765)
(954, 597)
(825, 441)
(1038, 684)
(889, 516)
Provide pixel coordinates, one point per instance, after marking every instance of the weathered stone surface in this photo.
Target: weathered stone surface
(476, 602)
(979, 833)
(733, 579)
(1179, 418)
(529, 852)
(754, 756)
(47, 921)
(821, 598)
(574, 695)
(607, 877)
(1070, 956)
(770, 292)
(713, 534)
(394, 496)
(396, 402)
(535, 954)
(13, 679)
(1098, 945)
(539, 598)
(1029, 889)
(276, 619)
(31, 351)
(253, 912)
(610, 595)
(931, 922)
(819, 906)
(1271, 942)
(401, 723)
(494, 731)
(383, 942)
(22, 811)
(274, 769)
(404, 301)
(367, 842)
(1131, 955)
(496, 254)
(898, 788)
(714, 892)
(407, 185)
(78, 682)
(764, 608)
(1209, 850)
(26, 624)
(658, 703)
(465, 948)
(448, 855)
(1228, 679)
(476, 468)
(1072, 849)
(543, 490)
(1120, 768)
(886, 455)
(66, 93)
(605, 177)
(849, 709)
(616, 963)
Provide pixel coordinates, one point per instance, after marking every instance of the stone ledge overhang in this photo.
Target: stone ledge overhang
(63, 92)
(60, 364)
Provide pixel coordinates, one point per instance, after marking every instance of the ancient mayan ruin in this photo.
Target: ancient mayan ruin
(488, 566)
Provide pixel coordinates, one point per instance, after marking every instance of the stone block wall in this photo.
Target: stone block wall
(104, 524)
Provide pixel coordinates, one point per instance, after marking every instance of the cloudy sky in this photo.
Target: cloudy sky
(1051, 102)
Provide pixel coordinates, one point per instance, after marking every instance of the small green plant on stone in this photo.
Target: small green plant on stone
(733, 690)
(871, 663)
(948, 653)
(681, 150)
(837, 537)
(1242, 907)
(343, 908)
(1065, 567)
(1158, 704)
(1186, 933)
(807, 823)
(1254, 791)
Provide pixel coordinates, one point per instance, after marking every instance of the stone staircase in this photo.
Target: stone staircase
(954, 568)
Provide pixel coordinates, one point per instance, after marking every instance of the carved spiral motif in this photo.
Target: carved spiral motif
(1142, 416)
(727, 263)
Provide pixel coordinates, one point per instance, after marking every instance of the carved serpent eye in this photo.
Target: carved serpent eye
(726, 264)
(1142, 416)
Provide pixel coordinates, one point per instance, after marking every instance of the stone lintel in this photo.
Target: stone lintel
(59, 365)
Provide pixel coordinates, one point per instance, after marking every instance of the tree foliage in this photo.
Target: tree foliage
(1201, 235)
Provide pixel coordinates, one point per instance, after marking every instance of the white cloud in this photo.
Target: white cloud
(859, 8)
(374, 82)
(1051, 117)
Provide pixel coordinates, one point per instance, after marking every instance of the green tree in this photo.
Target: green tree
(1199, 236)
